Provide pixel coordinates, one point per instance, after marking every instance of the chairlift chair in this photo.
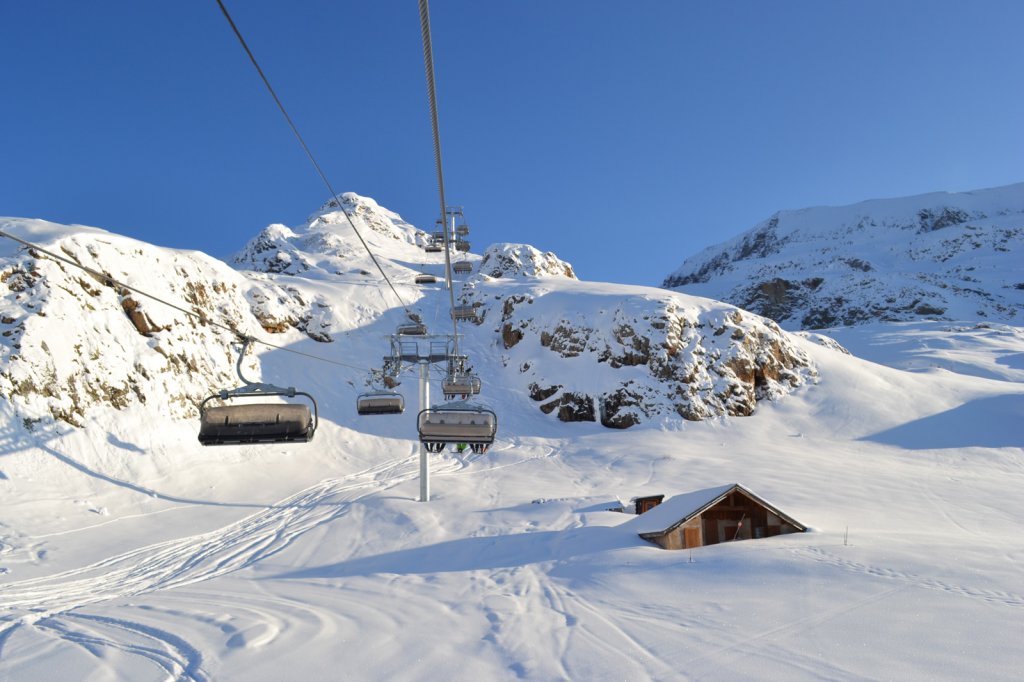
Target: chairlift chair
(412, 329)
(457, 423)
(263, 422)
(462, 230)
(424, 278)
(380, 402)
(461, 245)
(433, 247)
(464, 312)
(462, 267)
(461, 385)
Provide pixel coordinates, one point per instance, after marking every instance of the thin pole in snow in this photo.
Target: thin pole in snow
(424, 404)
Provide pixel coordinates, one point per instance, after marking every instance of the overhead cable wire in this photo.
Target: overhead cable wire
(192, 312)
(428, 65)
(309, 153)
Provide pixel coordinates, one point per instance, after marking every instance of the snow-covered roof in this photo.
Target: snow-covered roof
(680, 508)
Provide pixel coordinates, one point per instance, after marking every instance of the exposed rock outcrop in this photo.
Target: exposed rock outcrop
(624, 360)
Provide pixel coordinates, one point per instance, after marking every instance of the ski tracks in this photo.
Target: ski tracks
(47, 604)
(910, 579)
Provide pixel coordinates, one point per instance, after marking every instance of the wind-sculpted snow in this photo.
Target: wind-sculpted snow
(934, 256)
(626, 355)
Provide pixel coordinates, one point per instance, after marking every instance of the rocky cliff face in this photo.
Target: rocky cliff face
(71, 341)
(936, 256)
(626, 355)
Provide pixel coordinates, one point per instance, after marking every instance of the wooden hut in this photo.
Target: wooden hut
(646, 504)
(707, 517)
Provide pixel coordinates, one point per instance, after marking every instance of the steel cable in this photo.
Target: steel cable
(110, 281)
(309, 153)
(428, 64)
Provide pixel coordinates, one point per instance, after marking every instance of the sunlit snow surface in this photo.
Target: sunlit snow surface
(127, 551)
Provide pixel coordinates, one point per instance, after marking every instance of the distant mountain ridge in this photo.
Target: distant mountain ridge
(933, 256)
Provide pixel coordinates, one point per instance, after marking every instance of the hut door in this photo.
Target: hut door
(710, 531)
(691, 537)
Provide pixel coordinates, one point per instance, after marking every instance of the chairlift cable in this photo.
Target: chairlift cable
(428, 64)
(190, 312)
(309, 153)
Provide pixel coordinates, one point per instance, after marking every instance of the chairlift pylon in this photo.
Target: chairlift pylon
(264, 422)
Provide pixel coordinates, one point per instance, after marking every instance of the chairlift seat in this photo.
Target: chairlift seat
(380, 402)
(433, 248)
(462, 267)
(424, 278)
(412, 329)
(463, 386)
(256, 423)
(464, 312)
(461, 245)
(462, 230)
(463, 423)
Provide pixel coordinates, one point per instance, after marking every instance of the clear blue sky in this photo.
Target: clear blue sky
(624, 136)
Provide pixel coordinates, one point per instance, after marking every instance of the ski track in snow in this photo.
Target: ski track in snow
(911, 579)
(47, 603)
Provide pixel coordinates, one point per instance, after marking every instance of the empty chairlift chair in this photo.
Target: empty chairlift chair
(462, 230)
(412, 329)
(462, 267)
(461, 245)
(457, 423)
(380, 402)
(460, 385)
(464, 312)
(424, 278)
(262, 422)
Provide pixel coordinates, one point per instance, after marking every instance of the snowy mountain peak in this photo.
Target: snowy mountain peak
(522, 260)
(327, 245)
(939, 255)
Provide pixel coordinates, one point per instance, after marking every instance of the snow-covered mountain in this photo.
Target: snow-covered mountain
(584, 351)
(946, 256)
(129, 551)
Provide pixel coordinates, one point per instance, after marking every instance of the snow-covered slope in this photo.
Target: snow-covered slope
(948, 256)
(72, 342)
(128, 551)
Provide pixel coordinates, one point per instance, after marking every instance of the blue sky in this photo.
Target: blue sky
(624, 136)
